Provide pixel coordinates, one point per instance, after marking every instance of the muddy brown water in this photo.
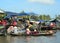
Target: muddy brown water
(31, 39)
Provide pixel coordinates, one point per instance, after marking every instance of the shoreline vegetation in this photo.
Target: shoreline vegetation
(23, 14)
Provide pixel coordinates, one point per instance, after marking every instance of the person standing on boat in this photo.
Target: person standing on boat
(20, 24)
(12, 24)
(30, 27)
(39, 26)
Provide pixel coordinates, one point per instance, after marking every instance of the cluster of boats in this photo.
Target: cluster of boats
(29, 28)
(15, 31)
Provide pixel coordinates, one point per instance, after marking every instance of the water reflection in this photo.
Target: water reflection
(31, 39)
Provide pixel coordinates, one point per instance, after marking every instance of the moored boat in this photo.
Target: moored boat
(35, 33)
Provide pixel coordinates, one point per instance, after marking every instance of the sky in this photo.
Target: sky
(51, 7)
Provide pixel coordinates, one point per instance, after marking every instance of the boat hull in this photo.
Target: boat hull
(39, 34)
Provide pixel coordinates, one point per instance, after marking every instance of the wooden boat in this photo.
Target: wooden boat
(39, 34)
(33, 33)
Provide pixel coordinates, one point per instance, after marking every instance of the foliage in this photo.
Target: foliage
(44, 17)
(40, 17)
(2, 15)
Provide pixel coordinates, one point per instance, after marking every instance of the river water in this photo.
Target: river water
(31, 39)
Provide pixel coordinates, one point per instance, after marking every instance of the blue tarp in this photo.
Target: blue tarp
(17, 14)
(23, 14)
(11, 13)
(41, 21)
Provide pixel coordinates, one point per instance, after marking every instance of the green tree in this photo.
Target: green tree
(34, 17)
(45, 17)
